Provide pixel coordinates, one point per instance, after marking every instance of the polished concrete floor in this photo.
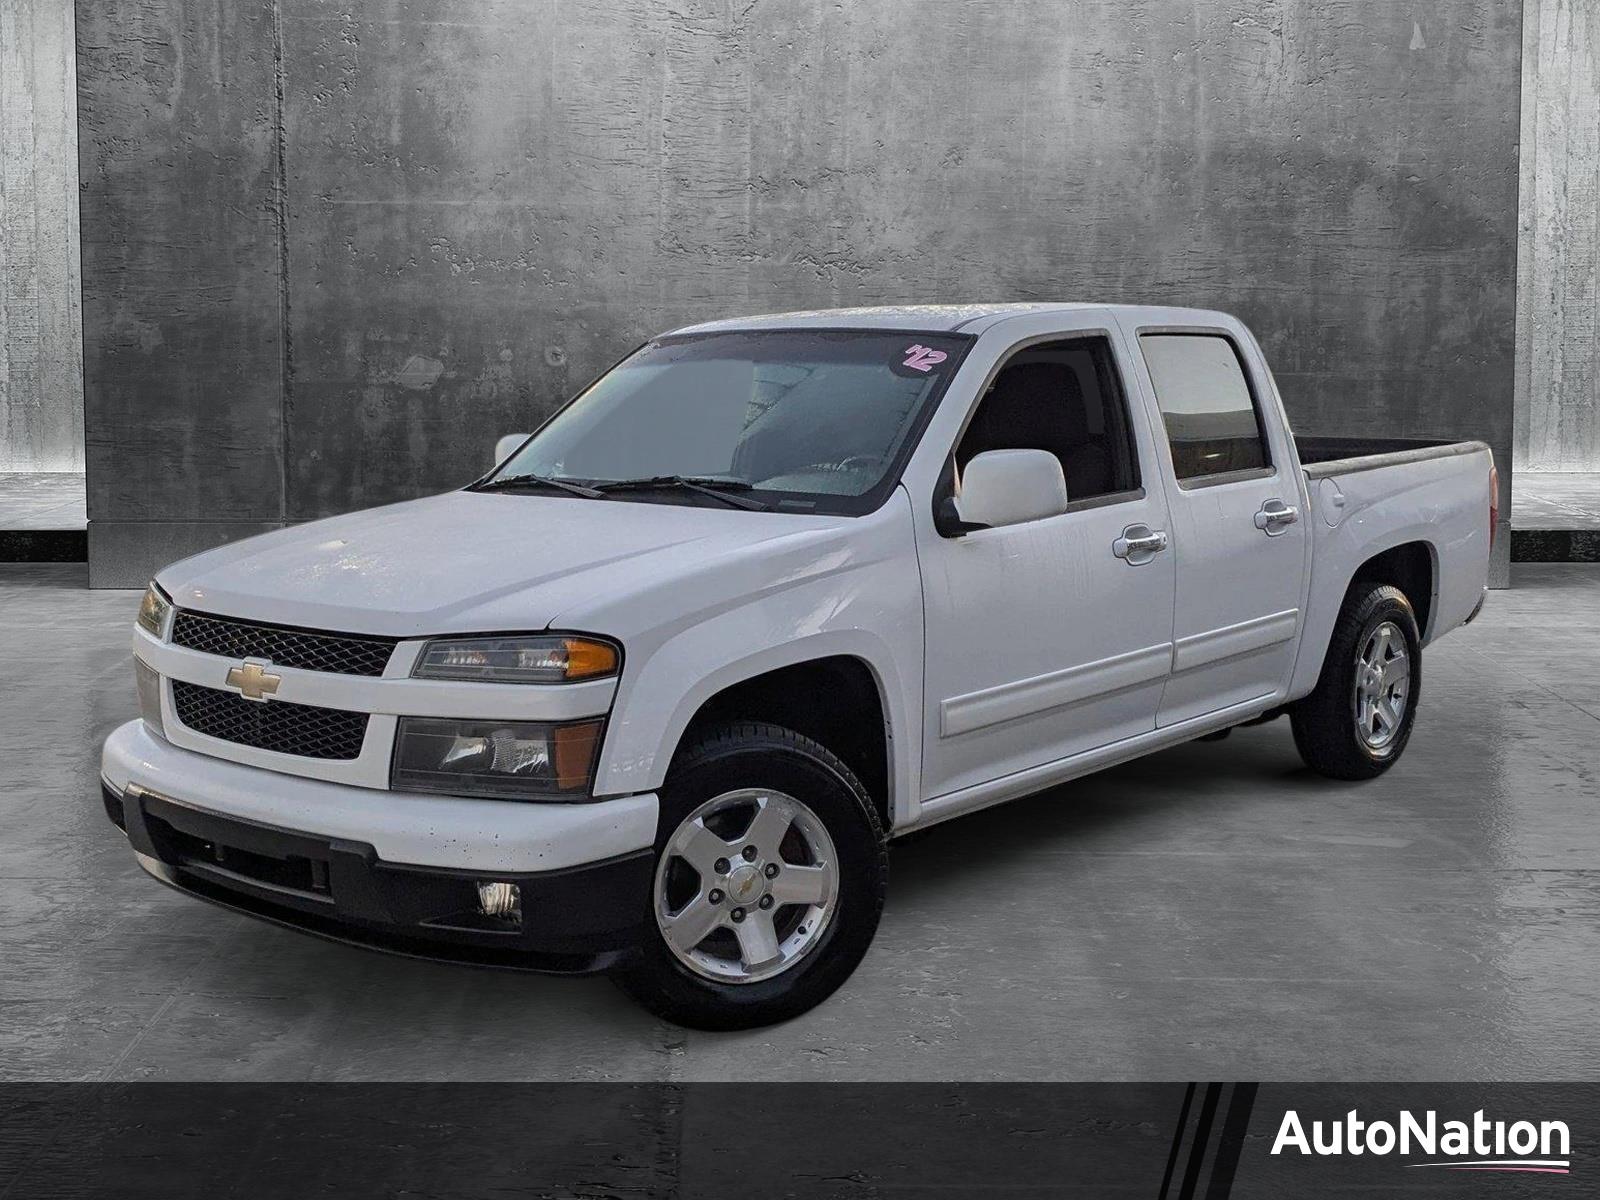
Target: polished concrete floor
(42, 500)
(1555, 500)
(1212, 912)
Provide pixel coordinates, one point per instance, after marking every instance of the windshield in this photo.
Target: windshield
(816, 419)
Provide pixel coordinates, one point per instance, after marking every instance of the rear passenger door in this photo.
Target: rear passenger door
(1238, 529)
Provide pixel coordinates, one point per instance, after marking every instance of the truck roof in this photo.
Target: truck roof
(938, 318)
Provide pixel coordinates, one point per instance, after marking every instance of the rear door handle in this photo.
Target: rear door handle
(1275, 516)
(1139, 544)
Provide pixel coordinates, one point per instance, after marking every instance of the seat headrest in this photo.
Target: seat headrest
(1050, 386)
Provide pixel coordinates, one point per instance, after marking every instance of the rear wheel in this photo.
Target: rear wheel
(1356, 724)
(770, 877)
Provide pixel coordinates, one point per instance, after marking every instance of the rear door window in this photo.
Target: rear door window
(1212, 419)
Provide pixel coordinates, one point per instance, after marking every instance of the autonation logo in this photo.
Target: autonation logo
(1476, 1145)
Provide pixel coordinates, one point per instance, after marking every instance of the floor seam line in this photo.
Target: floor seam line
(1532, 682)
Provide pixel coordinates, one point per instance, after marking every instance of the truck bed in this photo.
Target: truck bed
(1325, 456)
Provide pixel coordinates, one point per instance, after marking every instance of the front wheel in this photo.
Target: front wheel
(770, 877)
(1356, 724)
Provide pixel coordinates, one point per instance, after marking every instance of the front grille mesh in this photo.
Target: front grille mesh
(337, 653)
(300, 729)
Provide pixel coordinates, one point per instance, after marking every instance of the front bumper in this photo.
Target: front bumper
(387, 870)
(573, 921)
(487, 836)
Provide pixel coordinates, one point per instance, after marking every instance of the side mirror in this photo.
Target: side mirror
(506, 446)
(1008, 487)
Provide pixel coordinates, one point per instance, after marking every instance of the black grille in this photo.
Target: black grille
(338, 653)
(301, 729)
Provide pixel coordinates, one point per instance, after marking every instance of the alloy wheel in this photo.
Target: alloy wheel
(1382, 685)
(746, 886)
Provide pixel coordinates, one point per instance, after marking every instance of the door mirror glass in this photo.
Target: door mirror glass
(507, 446)
(1008, 487)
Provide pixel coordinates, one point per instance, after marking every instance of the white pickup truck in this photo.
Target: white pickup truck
(652, 696)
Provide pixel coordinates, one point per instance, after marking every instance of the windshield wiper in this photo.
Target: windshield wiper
(564, 485)
(714, 486)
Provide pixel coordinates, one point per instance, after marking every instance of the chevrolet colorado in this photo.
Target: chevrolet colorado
(653, 695)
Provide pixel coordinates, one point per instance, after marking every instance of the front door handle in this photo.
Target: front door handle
(1139, 544)
(1275, 516)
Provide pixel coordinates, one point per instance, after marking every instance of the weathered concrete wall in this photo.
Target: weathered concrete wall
(1558, 335)
(41, 348)
(483, 203)
(182, 279)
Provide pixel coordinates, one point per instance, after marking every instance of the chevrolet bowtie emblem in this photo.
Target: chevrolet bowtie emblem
(253, 682)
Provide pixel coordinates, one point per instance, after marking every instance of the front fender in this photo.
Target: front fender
(871, 611)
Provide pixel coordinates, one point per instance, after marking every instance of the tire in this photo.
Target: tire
(711, 784)
(1329, 729)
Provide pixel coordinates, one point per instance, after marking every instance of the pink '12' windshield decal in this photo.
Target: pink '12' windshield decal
(920, 358)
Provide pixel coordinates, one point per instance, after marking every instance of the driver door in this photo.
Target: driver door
(1041, 641)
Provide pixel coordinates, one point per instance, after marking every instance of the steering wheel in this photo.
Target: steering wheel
(842, 466)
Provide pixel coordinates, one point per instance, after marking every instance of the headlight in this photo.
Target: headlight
(155, 610)
(506, 759)
(544, 659)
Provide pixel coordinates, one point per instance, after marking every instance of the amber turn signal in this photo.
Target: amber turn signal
(588, 660)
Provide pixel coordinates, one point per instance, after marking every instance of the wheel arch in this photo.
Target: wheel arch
(851, 724)
(798, 685)
(1407, 559)
(1413, 567)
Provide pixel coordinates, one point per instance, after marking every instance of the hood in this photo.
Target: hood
(467, 562)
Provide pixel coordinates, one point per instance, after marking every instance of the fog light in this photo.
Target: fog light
(497, 899)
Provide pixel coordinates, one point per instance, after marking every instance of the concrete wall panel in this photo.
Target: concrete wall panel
(489, 201)
(1558, 383)
(41, 347)
(182, 267)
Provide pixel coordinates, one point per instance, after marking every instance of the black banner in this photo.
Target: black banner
(757, 1140)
